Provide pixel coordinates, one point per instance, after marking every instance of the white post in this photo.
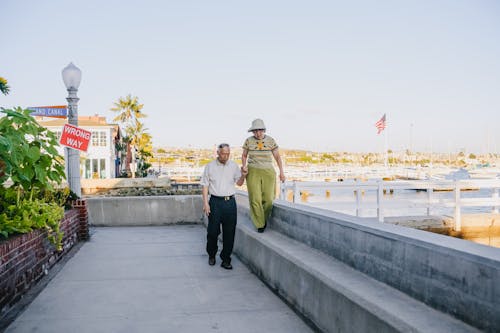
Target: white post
(495, 197)
(458, 218)
(296, 193)
(380, 193)
(358, 199)
(430, 191)
(133, 165)
(386, 148)
(283, 190)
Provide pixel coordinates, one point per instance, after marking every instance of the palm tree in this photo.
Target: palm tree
(4, 88)
(140, 139)
(130, 113)
(129, 110)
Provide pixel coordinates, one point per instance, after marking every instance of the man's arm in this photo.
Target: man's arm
(206, 206)
(277, 157)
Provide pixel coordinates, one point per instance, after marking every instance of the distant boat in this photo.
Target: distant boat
(460, 174)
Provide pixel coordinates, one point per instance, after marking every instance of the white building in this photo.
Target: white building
(102, 159)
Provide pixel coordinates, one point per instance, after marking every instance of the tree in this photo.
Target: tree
(130, 111)
(129, 115)
(4, 87)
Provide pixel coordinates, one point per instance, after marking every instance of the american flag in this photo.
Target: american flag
(380, 125)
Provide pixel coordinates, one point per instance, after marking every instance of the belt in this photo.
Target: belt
(226, 198)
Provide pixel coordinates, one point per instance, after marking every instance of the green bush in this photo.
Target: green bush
(29, 158)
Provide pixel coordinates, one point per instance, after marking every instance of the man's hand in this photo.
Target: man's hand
(206, 209)
(244, 171)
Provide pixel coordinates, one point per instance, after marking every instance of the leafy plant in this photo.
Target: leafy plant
(30, 159)
(28, 151)
(4, 87)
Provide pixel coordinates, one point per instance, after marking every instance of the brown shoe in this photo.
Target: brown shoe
(211, 261)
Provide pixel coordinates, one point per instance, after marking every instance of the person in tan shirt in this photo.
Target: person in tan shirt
(218, 179)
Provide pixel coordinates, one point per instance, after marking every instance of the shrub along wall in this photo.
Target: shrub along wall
(26, 258)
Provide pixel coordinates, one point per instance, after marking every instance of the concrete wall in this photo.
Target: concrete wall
(452, 275)
(157, 210)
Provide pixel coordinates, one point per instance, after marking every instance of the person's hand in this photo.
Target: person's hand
(244, 171)
(282, 177)
(206, 209)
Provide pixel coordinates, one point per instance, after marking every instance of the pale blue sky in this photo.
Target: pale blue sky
(320, 73)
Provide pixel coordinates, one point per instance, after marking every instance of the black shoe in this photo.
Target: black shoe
(226, 265)
(211, 261)
(261, 230)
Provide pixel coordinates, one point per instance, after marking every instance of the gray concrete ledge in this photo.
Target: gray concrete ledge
(133, 211)
(332, 295)
(452, 275)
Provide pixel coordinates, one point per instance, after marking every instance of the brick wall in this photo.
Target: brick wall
(25, 258)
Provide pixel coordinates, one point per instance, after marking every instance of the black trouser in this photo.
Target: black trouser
(222, 212)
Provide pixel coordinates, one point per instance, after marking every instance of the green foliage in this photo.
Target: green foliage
(29, 158)
(28, 151)
(4, 87)
(129, 114)
(17, 217)
(143, 169)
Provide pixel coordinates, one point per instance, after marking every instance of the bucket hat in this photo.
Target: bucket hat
(256, 125)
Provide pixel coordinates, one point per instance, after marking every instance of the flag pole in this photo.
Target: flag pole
(380, 125)
(386, 149)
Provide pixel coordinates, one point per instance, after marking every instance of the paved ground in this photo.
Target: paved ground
(154, 279)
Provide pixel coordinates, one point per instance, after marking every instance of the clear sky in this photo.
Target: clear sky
(320, 73)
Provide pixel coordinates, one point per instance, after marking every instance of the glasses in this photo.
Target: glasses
(257, 130)
(223, 145)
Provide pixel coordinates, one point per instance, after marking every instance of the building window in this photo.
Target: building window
(99, 138)
(95, 168)
(102, 168)
(102, 139)
(87, 173)
(95, 138)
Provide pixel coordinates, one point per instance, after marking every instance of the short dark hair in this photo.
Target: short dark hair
(223, 145)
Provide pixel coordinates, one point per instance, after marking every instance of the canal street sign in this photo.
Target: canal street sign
(57, 111)
(75, 137)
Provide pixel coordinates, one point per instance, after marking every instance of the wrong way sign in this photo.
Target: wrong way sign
(75, 137)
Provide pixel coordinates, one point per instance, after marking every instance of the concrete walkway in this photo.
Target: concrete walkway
(154, 279)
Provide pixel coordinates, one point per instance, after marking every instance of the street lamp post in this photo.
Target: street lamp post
(72, 76)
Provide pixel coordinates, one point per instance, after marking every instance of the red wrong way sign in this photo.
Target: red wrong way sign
(75, 137)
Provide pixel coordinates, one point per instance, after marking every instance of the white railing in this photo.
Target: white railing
(296, 189)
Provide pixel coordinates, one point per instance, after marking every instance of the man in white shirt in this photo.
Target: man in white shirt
(218, 180)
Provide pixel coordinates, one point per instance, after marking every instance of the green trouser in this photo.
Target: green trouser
(261, 185)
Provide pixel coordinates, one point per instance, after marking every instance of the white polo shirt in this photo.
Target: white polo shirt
(220, 178)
